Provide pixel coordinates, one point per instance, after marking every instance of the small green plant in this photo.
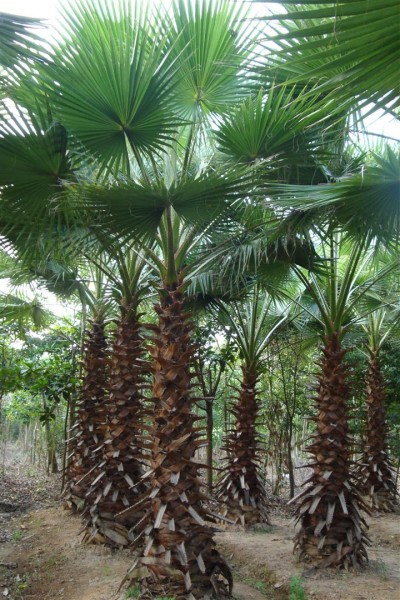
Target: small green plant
(258, 585)
(296, 590)
(133, 592)
(380, 568)
(16, 535)
(22, 584)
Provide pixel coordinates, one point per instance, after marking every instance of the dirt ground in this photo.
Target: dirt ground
(41, 557)
(266, 556)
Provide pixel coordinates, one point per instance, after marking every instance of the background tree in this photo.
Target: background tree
(240, 488)
(332, 499)
(375, 471)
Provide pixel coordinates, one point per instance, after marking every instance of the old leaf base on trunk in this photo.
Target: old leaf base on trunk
(332, 529)
(179, 557)
(240, 491)
(116, 482)
(376, 474)
(91, 418)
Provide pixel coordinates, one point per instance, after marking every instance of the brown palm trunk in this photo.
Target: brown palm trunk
(179, 557)
(332, 529)
(240, 489)
(116, 482)
(376, 472)
(90, 419)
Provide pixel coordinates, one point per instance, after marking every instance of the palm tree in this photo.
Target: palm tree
(240, 488)
(332, 529)
(89, 418)
(124, 118)
(375, 472)
(115, 482)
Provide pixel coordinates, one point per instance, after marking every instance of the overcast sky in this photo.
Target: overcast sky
(36, 8)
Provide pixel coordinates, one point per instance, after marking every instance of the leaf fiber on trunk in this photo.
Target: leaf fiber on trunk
(116, 482)
(179, 557)
(375, 474)
(240, 489)
(332, 529)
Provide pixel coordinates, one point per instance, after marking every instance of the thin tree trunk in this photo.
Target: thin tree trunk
(65, 445)
(210, 428)
(179, 557)
(289, 457)
(332, 530)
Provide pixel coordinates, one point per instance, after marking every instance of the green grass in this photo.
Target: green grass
(16, 535)
(296, 590)
(256, 584)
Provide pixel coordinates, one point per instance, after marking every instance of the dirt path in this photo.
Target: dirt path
(41, 557)
(51, 563)
(47, 561)
(266, 556)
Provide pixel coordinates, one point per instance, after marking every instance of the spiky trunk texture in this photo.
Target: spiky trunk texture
(91, 418)
(240, 489)
(332, 529)
(116, 482)
(376, 472)
(179, 557)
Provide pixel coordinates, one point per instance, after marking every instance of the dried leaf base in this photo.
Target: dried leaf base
(179, 558)
(158, 578)
(378, 485)
(375, 474)
(239, 507)
(90, 423)
(240, 491)
(333, 531)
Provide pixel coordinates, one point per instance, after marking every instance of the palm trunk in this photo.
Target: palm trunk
(376, 472)
(116, 482)
(240, 489)
(90, 422)
(179, 558)
(332, 530)
(209, 428)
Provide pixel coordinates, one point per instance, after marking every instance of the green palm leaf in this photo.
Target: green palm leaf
(33, 157)
(211, 40)
(34, 165)
(26, 313)
(351, 48)
(114, 83)
(18, 41)
(280, 127)
(365, 204)
(134, 210)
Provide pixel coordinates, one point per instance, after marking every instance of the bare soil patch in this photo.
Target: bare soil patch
(42, 558)
(265, 555)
